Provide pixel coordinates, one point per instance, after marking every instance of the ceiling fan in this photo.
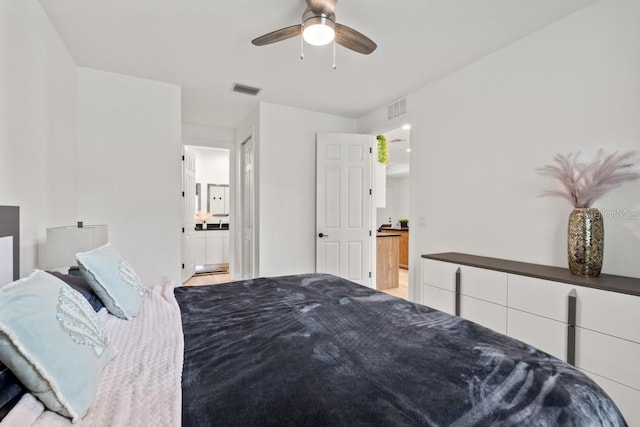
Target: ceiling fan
(318, 28)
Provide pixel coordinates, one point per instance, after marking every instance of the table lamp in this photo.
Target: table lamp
(63, 243)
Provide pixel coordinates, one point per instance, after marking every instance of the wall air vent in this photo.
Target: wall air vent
(397, 108)
(398, 140)
(247, 90)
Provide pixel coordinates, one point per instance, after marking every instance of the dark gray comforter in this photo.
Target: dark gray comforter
(318, 350)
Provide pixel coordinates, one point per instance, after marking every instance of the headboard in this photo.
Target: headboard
(10, 226)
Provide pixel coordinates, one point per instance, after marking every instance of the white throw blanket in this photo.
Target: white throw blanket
(142, 384)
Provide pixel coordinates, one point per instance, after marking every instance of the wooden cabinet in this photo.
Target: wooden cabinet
(387, 262)
(403, 247)
(530, 302)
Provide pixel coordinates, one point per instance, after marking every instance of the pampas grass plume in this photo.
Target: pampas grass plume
(584, 183)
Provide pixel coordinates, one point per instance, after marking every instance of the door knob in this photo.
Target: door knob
(323, 235)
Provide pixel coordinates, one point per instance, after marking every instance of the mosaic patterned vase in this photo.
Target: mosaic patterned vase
(585, 242)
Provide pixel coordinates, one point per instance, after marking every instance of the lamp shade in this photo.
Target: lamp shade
(63, 243)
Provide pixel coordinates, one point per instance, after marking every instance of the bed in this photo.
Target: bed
(320, 350)
(316, 349)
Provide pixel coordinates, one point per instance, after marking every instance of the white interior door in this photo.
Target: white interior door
(343, 206)
(188, 212)
(247, 185)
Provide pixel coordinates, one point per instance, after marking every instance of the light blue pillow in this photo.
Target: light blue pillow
(54, 342)
(113, 279)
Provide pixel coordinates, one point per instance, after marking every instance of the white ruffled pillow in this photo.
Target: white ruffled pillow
(54, 342)
(113, 279)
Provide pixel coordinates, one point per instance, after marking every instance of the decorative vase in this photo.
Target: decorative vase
(585, 242)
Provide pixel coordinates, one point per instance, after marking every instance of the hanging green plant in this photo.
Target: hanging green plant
(383, 150)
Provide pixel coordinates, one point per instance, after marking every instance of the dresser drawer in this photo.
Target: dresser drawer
(439, 274)
(439, 299)
(543, 333)
(538, 296)
(488, 314)
(488, 285)
(609, 312)
(609, 357)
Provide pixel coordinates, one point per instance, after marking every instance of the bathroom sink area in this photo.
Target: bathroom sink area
(223, 226)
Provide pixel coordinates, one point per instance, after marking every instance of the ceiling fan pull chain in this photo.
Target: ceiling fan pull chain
(301, 42)
(334, 54)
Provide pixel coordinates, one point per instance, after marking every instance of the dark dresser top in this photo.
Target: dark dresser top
(607, 282)
(388, 235)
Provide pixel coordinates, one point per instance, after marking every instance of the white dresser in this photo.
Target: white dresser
(593, 323)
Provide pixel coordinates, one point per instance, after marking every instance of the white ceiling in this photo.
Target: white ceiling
(205, 46)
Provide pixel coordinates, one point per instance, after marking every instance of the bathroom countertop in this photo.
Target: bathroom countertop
(211, 227)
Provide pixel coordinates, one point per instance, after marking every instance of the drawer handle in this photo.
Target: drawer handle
(458, 279)
(571, 327)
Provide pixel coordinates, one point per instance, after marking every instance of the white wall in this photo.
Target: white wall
(397, 202)
(129, 148)
(478, 135)
(37, 125)
(287, 185)
(212, 165)
(206, 136)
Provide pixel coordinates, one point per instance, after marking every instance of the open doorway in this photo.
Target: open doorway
(392, 214)
(212, 210)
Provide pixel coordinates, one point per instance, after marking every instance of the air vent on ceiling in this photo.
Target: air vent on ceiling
(397, 108)
(248, 90)
(398, 140)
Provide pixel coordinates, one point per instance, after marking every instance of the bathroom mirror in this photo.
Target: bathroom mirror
(218, 199)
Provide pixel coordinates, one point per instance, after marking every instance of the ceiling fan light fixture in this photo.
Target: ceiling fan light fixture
(318, 29)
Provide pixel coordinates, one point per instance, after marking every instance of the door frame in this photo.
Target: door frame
(374, 213)
(188, 221)
(233, 214)
(250, 211)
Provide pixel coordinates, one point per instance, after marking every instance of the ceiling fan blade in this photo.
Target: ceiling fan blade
(354, 40)
(278, 35)
(322, 6)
